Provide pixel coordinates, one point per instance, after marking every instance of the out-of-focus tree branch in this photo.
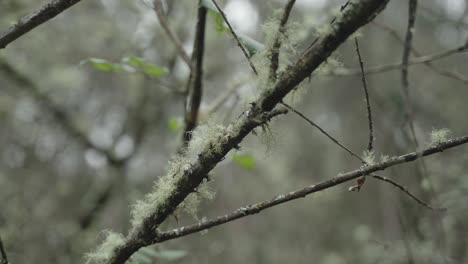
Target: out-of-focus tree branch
(31, 21)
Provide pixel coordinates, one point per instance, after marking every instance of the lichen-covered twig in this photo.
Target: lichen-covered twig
(31, 21)
(275, 49)
(290, 196)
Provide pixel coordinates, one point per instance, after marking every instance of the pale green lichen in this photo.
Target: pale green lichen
(384, 158)
(369, 157)
(438, 136)
(105, 250)
(207, 138)
(329, 66)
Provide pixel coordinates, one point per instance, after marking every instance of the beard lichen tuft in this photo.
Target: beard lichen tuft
(105, 250)
(438, 136)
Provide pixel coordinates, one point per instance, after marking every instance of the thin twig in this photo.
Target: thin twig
(406, 191)
(4, 258)
(290, 196)
(275, 49)
(397, 66)
(195, 83)
(409, 251)
(31, 21)
(239, 43)
(312, 123)
(158, 9)
(366, 94)
(443, 72)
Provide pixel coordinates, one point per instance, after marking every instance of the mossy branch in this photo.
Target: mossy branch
(194, 171)
(31, 21)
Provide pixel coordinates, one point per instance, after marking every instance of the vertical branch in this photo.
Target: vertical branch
(413, 4)
(275, 49)
(194, 86)
(366, 94)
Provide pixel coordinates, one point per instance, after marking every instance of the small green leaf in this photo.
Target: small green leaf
(147, 68)
(134, 61)
(251, 45)
(103, 65)
(174, 124)
(153, 70)
(245, 160)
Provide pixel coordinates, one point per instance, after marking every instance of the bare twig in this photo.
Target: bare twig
(406, 191)
(275, 49)
(366, 94)
(3, 255)
(158, 9)
(239, 43)
(312, 123)
(31, 21)
(398, 66)
(194, 85)
(443, 72)
(279, 199)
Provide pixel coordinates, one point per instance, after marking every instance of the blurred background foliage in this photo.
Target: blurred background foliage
(58, 193)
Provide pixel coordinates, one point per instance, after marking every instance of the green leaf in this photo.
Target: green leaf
(153, 70)
(245, 160)
(174, 124)
(103, 65)
(251, 45)
(134, 61)
(147, 68)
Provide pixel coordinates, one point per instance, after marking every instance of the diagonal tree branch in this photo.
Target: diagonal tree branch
(301, 193)
(57, 113)
(31, 21)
